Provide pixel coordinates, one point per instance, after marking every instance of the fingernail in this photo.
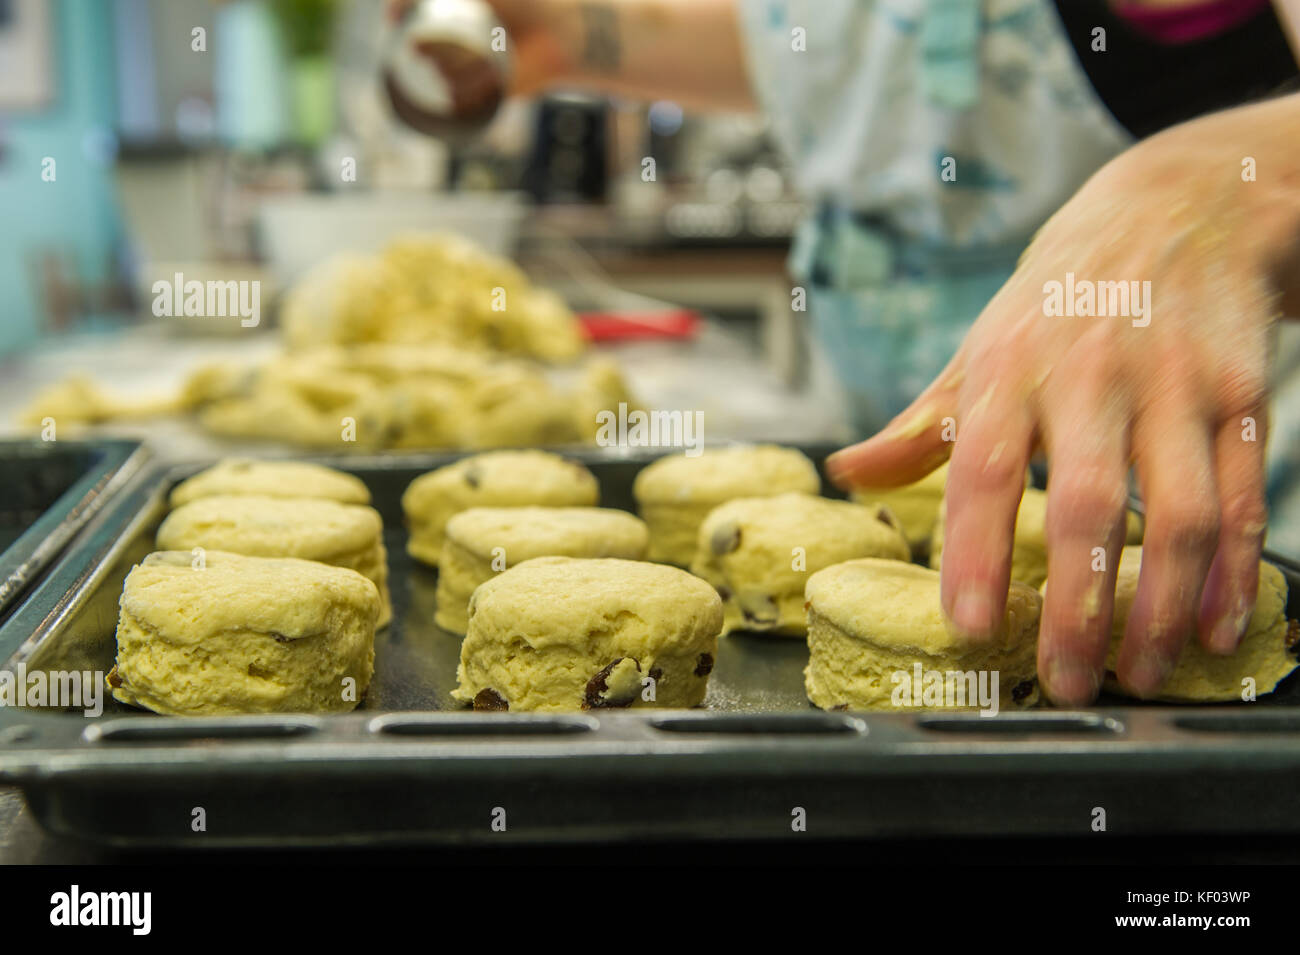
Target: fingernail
(1149, 675)
(1224, 637)
(1072, 683)
(972, 611)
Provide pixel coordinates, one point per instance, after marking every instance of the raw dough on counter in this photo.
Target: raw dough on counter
(1029, 542)
(675, 493)
(492, 479)
(1267, 652)
(871, 622)
(239, 476)
(759, 551)
(484, 541)
(429, 288)
(563, 633)
(345, 535)
(243, 635)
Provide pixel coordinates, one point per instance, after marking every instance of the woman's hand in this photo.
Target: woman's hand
(1176, 385)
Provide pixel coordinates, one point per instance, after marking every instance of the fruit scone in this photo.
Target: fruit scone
(243, 635)
(1266, 654)
(1029, 541)
(240, 476)
(345, 535)
(759, 551)
(493, 479)
(565, 633)
(484, 541)
(675, 493)
(915, 505)
(875, 626)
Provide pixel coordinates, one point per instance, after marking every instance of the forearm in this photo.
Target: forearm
(685, 50)
(1233, 185)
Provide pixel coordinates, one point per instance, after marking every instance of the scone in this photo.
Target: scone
(345, 535)
(759, 551)
(1029, 543)
(564, 633)
(675, 493)
(493, 479)
(243, 635)
(237, 476)
(915, 505)
(878, 640)
(1267, 652)
(484, 541)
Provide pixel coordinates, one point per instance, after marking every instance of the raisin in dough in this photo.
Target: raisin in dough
(759, 551)
(484, 541)
(564, 633)
(675, 493)
(493, 479)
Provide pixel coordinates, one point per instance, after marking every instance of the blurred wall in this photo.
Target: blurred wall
(76, 214)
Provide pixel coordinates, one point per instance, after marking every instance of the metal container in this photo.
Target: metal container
(411, 766)
(50, 490)
(447, 67)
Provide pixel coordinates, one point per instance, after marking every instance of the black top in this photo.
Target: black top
(1148, 85)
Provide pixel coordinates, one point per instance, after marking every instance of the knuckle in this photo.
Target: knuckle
(1244, 515)
(1192, 523)
(1087, 495)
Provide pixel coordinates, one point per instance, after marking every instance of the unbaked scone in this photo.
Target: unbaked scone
(345, 535)
(1266, 653)
(872, 623)
(484, 541)
(240, 476)
(493, 479)
(675, 493)
(1029, 542)
(243, 635)
(759, 551)
(915, 505)
(564, 633)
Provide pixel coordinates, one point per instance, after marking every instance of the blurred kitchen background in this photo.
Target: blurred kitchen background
(207, 138)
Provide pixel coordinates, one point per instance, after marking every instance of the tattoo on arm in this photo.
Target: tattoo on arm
(601, 50)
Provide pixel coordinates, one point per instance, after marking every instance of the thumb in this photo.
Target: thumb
(912, 445)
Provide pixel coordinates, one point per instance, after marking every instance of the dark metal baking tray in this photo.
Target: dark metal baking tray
(50, 490)
(410, 766)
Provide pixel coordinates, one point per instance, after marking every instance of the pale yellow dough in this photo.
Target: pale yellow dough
(239, 476)
(345, 535)
(1200, 677)
(563, 633)
(871, 619)
(1029, 543)
(243, 635)
(675, 493)
(915, 505)
(493, 479)
(759, 551)
(484, 541)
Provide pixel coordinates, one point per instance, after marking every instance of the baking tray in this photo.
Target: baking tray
(50, 490)
(410, 766)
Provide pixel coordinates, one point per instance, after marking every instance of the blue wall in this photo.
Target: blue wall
(77, 213)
